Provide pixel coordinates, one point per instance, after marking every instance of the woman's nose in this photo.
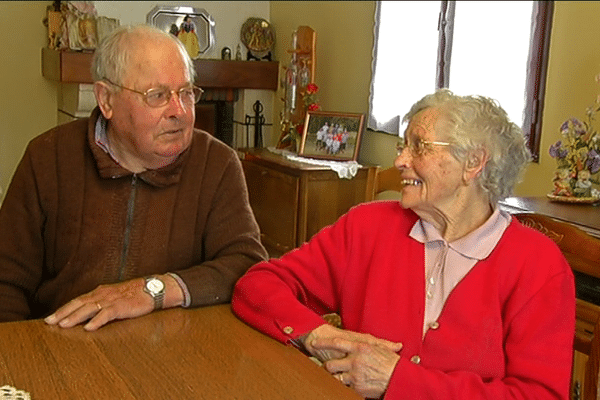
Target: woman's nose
(403, 159)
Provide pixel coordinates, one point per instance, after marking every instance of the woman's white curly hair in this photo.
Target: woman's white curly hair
(472, 122)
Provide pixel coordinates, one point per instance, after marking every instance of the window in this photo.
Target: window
(494, 48)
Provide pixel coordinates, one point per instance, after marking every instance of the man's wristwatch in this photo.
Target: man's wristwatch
(155, 288)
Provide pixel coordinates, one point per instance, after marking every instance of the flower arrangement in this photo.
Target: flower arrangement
(311, 103)
(578, 157)
(292, 132)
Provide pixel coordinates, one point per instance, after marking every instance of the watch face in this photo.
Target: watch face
(155, 285)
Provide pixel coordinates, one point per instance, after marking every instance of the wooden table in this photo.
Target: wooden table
(204, 353)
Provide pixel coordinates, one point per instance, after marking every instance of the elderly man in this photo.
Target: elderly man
(132, 209)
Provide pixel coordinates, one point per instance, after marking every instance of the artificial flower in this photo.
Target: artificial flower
(577, 156)
(311, 103)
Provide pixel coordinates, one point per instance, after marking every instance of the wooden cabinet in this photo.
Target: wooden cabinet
(293, 200)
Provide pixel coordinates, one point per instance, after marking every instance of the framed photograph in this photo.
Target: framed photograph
(193, 26)
(331, 135)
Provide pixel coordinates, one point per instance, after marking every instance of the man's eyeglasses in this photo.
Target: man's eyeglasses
(417, 147)
(160, 96)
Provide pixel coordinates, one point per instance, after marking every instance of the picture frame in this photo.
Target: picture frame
(332, 135)
(193, 26)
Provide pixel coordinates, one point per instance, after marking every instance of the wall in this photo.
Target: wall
(570, 89)
(29, 102)
(344, 48)
(343, 69)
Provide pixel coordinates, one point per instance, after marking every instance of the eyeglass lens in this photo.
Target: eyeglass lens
(416, 148)
(161, 96)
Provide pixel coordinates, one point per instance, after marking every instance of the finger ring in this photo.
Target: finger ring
(99, 306)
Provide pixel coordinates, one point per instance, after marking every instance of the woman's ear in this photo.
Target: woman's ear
(104, 98)
(474, 163)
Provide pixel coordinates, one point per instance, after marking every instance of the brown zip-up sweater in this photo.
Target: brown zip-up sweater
(72, 219)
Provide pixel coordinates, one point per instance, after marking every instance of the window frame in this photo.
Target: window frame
(535, 86)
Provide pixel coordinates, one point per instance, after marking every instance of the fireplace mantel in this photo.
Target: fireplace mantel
(74, 67)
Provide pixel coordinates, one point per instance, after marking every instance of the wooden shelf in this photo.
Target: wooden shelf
(67, 66)
(74, 67)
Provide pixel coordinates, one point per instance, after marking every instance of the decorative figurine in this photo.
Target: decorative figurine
(226, 53)
(187, 35)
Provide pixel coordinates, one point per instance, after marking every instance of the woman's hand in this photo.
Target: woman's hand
(359, 360)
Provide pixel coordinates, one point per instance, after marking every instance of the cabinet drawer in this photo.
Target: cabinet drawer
(274, 200)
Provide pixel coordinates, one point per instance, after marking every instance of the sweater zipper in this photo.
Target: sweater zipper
(128, 226)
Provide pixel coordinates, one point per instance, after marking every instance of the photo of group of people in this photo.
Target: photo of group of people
(332, 136)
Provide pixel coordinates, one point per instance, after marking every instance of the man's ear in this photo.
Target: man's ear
(474, 163)
(104, 98)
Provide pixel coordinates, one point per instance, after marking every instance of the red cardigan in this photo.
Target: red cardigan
(506, 331)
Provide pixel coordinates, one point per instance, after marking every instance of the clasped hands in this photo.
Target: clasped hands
(359, 360)
(106, 303)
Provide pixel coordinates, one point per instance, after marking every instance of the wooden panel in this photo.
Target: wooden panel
(237, 74)
(74, 67)
(330, 197)
(67, 66)
(274, 200)
(578, 380)
(587, 317)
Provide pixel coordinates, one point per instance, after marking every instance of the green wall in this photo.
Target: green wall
(570, 86)
(28, 101)
(344, 48)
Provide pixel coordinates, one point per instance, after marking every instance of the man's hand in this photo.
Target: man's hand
(361, 361)
(111, 302)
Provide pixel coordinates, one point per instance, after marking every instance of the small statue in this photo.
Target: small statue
(583, 186)
(226, 53)
(562, 183)
(187, 35)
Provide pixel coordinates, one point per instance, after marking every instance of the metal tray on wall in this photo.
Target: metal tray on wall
(169, 17)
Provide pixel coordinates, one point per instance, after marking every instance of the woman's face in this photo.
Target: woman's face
(432, 178)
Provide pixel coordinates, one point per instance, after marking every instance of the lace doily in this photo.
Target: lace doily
(12, 393)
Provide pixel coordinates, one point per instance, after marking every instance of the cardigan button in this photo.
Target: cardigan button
(415, 359)
(288, 330)
(434, 325)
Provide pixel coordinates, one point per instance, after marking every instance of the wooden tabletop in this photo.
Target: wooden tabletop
(203, 353)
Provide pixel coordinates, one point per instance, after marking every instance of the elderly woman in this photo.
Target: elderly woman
(441, 295)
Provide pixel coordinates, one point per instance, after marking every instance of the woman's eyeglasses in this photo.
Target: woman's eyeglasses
(417, 147)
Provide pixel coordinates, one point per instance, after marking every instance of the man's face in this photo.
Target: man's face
(153, 137)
